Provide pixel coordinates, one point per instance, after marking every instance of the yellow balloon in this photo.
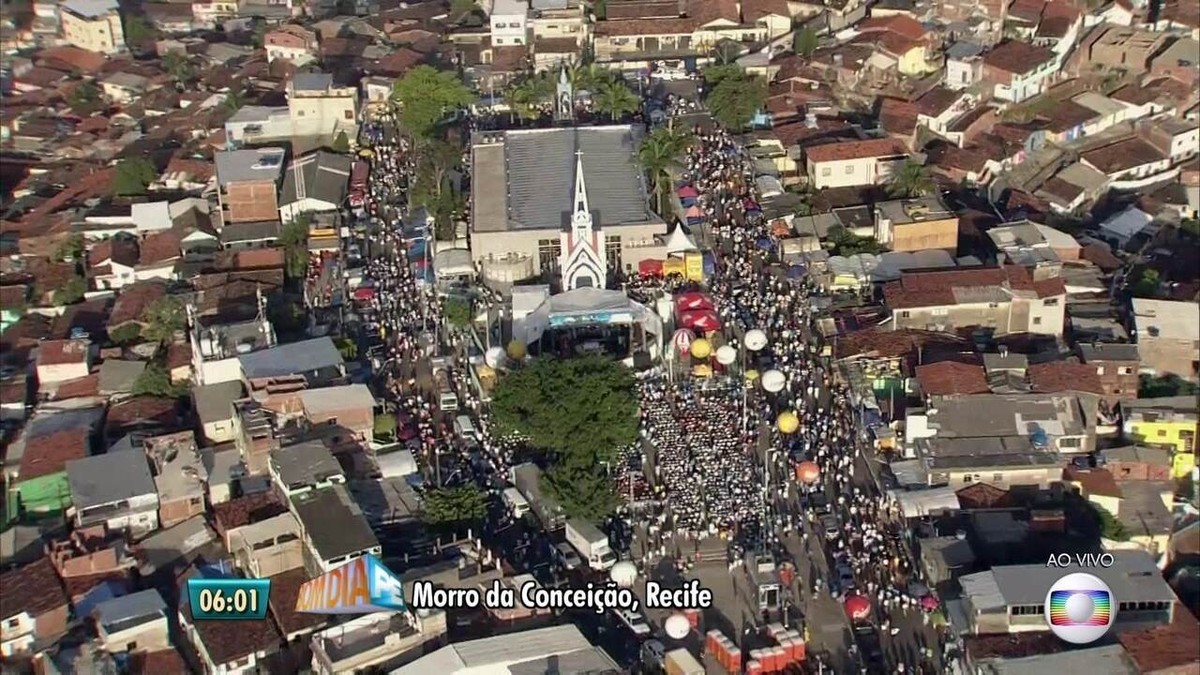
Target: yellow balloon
(701, 348)
(787, 422)
(515, 350)
(751, 375)
(702, 370)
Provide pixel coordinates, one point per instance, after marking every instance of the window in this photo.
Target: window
(904, 314)
(514, 25)
(551, 26)
(12, 623)
(967, 478)
(299, 113)
(993, 305)
(1037, 320)
(1099, 370)
(1069, 442)
(548, 252)
(1161, 433)
(997, 478)
(849, 169)
(348, 114)
(826, 172)
(1050, 302)
(612, 250)
(939, 311)
(1124, 370)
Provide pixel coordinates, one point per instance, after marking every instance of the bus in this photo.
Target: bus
(358, 182)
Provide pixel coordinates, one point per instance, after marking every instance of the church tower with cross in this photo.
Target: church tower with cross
(583, 263)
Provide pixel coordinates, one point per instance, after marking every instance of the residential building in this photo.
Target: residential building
(115, 489)
(870, 162)
(964, 64)
(117, 377)
(211, 13)
(52, 439)
(293, 43)
(1138, 462)
(217, 346)
(1004, 299)
(316, 360)
(1107, 659)
(1168, 336)
(1039, 248)
(523, 181)
(306, 466)
(45, 26)
(902, 37)
(1142, 507)
(94, 25)
(133, 622)
(381, 640)
(510, 23)
(1129, 163)
(34, 611)
(248, 184)
(1179, 60)
(62, 360)
(558, 20)
(1118, 366)
(268, 547)
(296, 627)
(179, 476)
(916, 225)
(1169, 422)
(124, 88)
(214, 409)
(999, 439)
(318, 107)
(165, 549)
(1124, 48)
(648, 29)
(527, 651)
(1017, 70)
(226, 646)
(1012, 598)
(258, 124)
(1177, 138)
(349, 407)
(315, 183)
(335, 531)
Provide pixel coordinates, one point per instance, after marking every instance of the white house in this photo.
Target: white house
(137, 621)
(115, 489)
(964, 64)
(318, 107)
(62, 360)
(258, 124)
(510, 23)
(315, 183)
(1018, 70)
(869, 162)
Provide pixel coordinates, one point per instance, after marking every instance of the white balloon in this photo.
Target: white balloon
(495, 357)
(623, 574)
(677, 626)
(726, 355)
(773, 381)
(755, 339)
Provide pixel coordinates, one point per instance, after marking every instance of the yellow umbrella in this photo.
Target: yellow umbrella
(702, 370)
(787, 422)
(701, 348)
(751, 375)
(515, 350)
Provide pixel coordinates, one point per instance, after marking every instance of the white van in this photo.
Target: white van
(516, 502)
(464, 428)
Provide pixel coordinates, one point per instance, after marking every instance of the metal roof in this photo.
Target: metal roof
(291, 359)
(104, 479)
(305, 463)
(1134, 577)
(322, 176)
(333, 522)
(528, 645)
(132, 606)
(244, 165)
(1102, 660)
(214, 402)
(335, 399)
(118, 376)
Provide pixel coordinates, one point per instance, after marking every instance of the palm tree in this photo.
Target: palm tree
(526, 96)
(615, 99)
(659, 155)
(912, 180)
(179, 68)
(235, 98)
(589, 77)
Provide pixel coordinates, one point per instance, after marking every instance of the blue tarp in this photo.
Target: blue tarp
(796, 271)
(710, 264)
(766, 244)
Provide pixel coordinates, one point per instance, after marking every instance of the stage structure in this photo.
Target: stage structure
(595, 321)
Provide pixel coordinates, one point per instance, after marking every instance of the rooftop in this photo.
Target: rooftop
(905, 211)
(285, 589)
(34, 588)
(304, 464)
(1016, 57)
(90, 9)
(319, 402)
(140, 605)
(951, 377)
(62, 352)
(226, 642)
(1123, 155)
(295, 358)
(1102, 660)
(109, 478)
(1134, 577)
(249, 165)
(1166, 319)
(214, 402)
(333, 522)
(841, 152)
(1007, 416)
(502, 651)
(322, 176)
(179, 471)
(940, 288)
(118, 377)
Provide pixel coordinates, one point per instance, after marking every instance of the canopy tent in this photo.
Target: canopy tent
(397, 464)
(455, 262)
(702, 320)
(688, 192)
(920, 503)
(364, 292)
(590, 306)
(679, 242)
(686, 302)
(650, 268)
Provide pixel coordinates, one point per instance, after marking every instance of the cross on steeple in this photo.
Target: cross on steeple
(581, 199)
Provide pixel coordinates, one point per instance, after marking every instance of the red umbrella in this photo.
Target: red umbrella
(688, 192)
(702, 320)
(858, 607)
(807, 472)
(651, 268)
(929, 603)
(686, 302)
(694, 212)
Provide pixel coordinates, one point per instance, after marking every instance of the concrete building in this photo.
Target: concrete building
(268, 547)
(510, 24)
(248, 184)
(179, 476)
(335, 531)
(1117, 365)
(115, 489)
(1169, 422)
(318, 107)
(1004, 299)
(1012, 598)
(964, 64)
(522, 194)
(217, 347)
(305, 467)
(257, 124)
(916, 225)
(94, 25)
(559, 19)
(35, 610)
(137, 621)
(294, 43)
(1168, 336)
(381, 641)
(62, 360)
(1001, 440)
(1039, 248)
(555, 649)
(1120, 47)
(1018, 71)
(853, 163)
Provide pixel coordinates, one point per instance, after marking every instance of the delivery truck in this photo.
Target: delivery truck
(591, 543)
(681, 662)
(528, 479)
(447, 398)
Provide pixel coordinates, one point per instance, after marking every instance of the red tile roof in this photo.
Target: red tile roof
(285, 588)
(242, 511)
(49, 453)
(1017, 57)
(160, 247)
(753, 10)
(936, 288)
(162, 662)
(73, 58)
(133, 300)
(83, 387)
(899, 24)
(230, 641)
(1065, 376)
(198, 170)
(982, 496)
(951, 377)
(1101, 256)
(121, 249)
(1123, 155)
(1093, 481)
(891, 344)
(397, 63)
(141, 409)
(1162, 647)
(839, 152)
(62, 352)
(34, 588)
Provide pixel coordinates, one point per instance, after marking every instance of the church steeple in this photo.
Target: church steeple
(584, 260)
(580, 210)
(564, 98)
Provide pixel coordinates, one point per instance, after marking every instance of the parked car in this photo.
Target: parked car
(830, 524)
(567, 557)
(634, 621)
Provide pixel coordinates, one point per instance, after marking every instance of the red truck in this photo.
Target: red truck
(358, 183)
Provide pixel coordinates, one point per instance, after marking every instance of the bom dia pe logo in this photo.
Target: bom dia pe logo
(1080, 608)
(361, 586)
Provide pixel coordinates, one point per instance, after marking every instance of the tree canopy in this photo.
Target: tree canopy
(70, 292)
(583, 492)
(457, 312)
(294, 239)
(385, 426)
(1150, 386)
(659, 154)
(459, 505)
(580, 410)
(425, 95)
(163, 318)
(341, 143)
(156, 381)
(527, 97)
(735, 96)
(615, 99)
(846, 242)
(126, 334)
(805, 42)
(436, 160)
(912, 180)
(134, 174)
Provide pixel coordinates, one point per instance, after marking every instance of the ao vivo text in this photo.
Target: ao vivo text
(1062, 560)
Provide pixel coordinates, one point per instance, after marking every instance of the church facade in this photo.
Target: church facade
(584, 261)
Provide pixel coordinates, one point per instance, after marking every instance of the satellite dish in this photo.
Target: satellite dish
(755, 340)
(726, 355)
(677, 626)
(623, 574)
(494, 357)
(773, 381)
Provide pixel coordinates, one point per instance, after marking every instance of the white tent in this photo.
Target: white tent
(679, 242)
(590, 305)
(455, 262)
(396, 464)
(919, 503)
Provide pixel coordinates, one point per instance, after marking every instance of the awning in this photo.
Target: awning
(686, 302)
(688, 192)
(455, 262)
(651, 268)
(680, 242)
(702, 320)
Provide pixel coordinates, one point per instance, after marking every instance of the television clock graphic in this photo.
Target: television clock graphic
(220, 599)
(1080, 608)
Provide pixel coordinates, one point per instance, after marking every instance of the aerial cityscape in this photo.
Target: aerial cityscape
(566, 337)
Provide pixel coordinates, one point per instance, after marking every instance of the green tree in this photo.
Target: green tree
(138, 30)
(235, 98)
(583, 492)
(659, 156)
(70, 292)
(156, 381)
(163, 318)
(71, 249)
(457, 312)
(735, 99)
(294, 239)
(1162, 386)
(527, 96)
(1110, 526)
(436, 160)
(181, 70)
(1147, 284)
(425, 96)
(912, 180)
(348, 348)
(133, 175)
(385, 426)
(463, 505)
(460, 7)
(846, 242)
(716, 74)
(580, 410)
(615, 99)
(85, 96)
(726, 52)
(805, 42)
(126, 334)
(341, 143)
(590, 77)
